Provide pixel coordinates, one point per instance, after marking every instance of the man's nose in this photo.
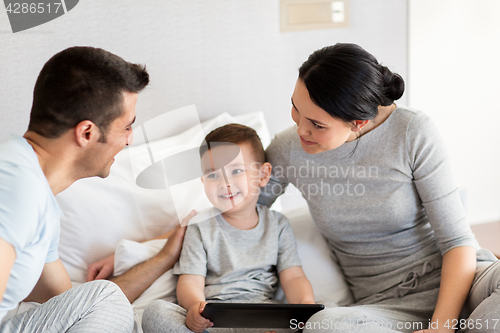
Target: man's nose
(130, 138)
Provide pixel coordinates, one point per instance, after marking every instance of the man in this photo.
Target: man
(83, 109)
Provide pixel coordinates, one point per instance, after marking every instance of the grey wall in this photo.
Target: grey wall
(220, 55)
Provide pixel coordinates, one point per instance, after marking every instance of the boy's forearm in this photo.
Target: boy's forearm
(189, 294)
(298, 290)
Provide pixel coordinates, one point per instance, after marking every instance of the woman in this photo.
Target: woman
(378, 184)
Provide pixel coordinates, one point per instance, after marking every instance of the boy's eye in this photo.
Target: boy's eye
(237, 171)
(212, 175)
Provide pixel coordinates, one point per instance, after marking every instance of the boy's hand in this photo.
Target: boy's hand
(195, 321)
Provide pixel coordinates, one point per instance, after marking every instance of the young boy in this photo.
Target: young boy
(236, 255)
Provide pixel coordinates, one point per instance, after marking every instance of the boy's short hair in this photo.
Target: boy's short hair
(237, 134)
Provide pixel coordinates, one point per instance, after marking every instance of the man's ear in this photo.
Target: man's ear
(265, 174)
(86, 131)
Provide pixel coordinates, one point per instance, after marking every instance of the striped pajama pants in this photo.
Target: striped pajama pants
(98, 306)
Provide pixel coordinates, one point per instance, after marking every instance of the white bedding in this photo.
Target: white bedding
(102, 216)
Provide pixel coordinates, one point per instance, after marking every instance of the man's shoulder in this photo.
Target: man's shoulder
(22, 182)
(16, 151)
(23, 201)
(18, 160)
(20, 179)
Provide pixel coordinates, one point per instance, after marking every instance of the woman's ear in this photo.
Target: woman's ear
(85, 131)
(357, 125)
(265, 174)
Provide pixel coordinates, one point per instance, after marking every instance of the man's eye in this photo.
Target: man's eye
(212, 175)
(236, 171)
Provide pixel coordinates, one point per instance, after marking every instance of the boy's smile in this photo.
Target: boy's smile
(234, 187)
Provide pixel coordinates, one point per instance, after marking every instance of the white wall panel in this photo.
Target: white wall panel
(220, 55)
(454, 72)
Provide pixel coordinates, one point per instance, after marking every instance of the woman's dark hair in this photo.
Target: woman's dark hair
(348, 82)
(82, 83)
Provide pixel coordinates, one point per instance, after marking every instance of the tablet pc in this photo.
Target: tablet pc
(259, 315)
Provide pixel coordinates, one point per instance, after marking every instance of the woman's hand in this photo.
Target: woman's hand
(101, 269)
(195, 321)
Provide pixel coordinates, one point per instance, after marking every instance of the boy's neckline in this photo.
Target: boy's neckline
(251, 226)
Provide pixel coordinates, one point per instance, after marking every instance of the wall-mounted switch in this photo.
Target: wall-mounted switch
(338, 11)
(314, 14)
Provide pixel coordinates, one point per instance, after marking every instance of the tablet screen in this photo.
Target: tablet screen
(259, 315)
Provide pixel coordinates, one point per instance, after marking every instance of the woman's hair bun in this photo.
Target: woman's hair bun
(394, 85)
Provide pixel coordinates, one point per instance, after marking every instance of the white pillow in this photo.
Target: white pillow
(98, 213)
(128, 254)
(318, 261)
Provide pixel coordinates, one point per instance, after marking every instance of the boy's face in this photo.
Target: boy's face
(235, 186)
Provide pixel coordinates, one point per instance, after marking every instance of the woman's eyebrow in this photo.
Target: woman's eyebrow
(314, 121)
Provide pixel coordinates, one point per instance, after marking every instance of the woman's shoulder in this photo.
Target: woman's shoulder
(285, 137)
(407, 115)
(415, 122)
(278, 151)
(419, 131)
(411, 122)
(272, 217)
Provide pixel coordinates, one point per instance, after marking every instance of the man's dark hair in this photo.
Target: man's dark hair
(237, 134)
(82, 83)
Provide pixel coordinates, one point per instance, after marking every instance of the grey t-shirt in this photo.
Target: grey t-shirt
(239, 265)
(385, 208)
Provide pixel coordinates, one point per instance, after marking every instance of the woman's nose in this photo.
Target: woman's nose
(301, 129)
